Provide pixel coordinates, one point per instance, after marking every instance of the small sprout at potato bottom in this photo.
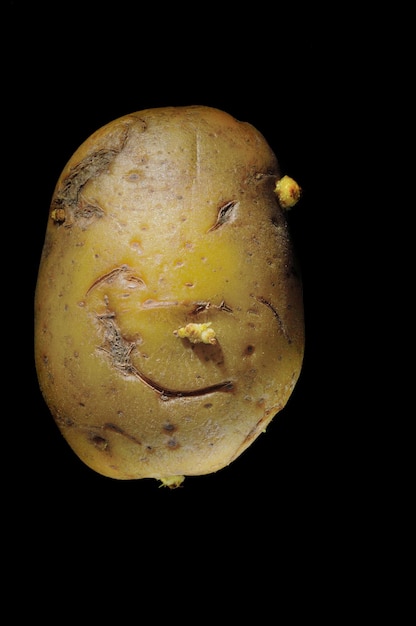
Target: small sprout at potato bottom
(172, 482)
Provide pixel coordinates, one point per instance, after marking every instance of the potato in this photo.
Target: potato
(169, 325)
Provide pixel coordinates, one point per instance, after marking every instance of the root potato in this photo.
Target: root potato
(169, 324)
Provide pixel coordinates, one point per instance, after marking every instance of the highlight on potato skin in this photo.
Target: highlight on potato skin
(169, 326)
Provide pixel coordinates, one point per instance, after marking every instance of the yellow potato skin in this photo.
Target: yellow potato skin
(164, 218)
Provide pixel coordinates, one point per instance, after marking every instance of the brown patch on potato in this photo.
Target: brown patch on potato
(67, 203)
(115, 345)
(99, 442)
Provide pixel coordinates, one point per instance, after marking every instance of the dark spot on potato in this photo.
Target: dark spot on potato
(208, 405)
(172, 444)
(99, 442)
(132, 176)
(249, 350)
(169, 428)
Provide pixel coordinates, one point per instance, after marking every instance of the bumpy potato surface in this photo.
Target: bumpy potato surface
(169, 323)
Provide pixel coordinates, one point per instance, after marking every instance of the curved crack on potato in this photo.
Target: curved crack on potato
(109, 277)
(204, 306)
(167, 394)
(225, 213)
(277, 316)
(119, 350)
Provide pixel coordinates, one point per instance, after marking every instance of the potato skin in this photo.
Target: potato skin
(162, 218)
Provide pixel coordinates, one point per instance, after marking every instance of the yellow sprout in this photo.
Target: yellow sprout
(197, 333)
(58, 215)
(173, 482)
(288, 192)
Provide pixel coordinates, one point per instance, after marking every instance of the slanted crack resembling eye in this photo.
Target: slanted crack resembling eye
(224, 214)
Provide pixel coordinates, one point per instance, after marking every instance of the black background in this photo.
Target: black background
(290, 499)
